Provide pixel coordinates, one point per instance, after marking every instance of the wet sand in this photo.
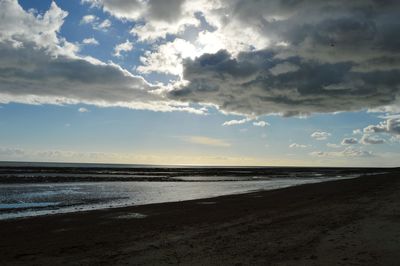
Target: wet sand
(345, 222)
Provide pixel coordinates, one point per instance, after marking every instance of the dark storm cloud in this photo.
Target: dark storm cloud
(248, 85)
(163, 10)
(166, 10)
(32, 71)
(336, 56)
(322, 56)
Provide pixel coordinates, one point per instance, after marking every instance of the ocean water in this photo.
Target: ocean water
(32, 189)
(22, 200)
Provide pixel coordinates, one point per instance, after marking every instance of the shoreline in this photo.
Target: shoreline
(325, 223)
(62, 207)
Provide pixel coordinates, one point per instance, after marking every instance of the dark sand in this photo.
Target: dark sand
(347, 222)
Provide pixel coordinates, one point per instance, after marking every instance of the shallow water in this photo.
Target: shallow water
(21, 200)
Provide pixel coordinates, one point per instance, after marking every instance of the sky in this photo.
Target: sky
(201, 82)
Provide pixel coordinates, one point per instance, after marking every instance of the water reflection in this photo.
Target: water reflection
(20, 200)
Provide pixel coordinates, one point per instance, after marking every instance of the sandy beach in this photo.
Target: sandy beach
(345, 222)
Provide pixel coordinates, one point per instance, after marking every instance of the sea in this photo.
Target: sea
(32, 189)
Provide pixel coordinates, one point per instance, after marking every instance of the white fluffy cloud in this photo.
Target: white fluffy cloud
(90, 41)
(320, 135)
(245, 120)
(235, 122)
(122, 47)
(168, 57)
(83, 110)
(104, 25)
(95, 22)
(88, 19)
(260, 124)
(297, 146)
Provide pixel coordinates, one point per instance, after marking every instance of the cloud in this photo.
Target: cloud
(367, 139)
(245, 85)
(347, 152)
(30, 75)
(104, 25)
(83, 110)
(283, 68)
(38, 67)
(337, 56)
(122, 47)
(395, 139)
(235, 122)
(298, 146)
(167, 58)
(90, 41)
(390, 126)
(292, 58)
(95, 22)
(11, 152)
(89, 19)
(157, 17)
(357, 132)
(245, 120)
(320, 135)
(201, 140)
(349, 141)
(260, 124)
(166, 10)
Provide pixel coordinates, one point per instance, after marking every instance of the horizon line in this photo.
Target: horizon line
(187, 165)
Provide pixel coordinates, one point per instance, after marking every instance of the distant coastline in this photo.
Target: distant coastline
(39, 172)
